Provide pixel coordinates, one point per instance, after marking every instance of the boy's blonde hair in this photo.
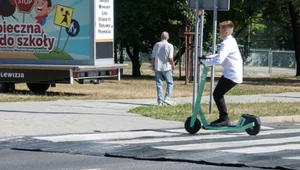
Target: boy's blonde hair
(227, 25)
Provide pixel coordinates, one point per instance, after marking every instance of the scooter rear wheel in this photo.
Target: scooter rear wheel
(195, 128)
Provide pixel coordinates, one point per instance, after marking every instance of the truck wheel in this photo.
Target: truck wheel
(38, 88)
(7, 87)
(4, 87)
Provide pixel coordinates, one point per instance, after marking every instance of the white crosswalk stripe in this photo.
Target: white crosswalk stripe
(265, 149)
(115, 137)
(103, 136)
(294, 157)
(148, 136)
(220, 145)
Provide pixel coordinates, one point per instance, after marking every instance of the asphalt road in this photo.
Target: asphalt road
(276, 147)
(24, 160)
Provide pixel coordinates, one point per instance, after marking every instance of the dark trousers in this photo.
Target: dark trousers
(223, 86)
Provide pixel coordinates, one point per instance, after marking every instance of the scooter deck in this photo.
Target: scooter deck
(229, 128)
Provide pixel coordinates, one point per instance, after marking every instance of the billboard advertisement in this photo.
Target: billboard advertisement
(104, 28)
(36, 31)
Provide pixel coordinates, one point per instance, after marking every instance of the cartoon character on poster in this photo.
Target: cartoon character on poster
(42, 9)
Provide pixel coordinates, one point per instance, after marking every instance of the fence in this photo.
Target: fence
(266, 61)
(271, 62)
(260, 61)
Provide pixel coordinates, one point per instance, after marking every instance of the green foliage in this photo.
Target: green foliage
(278, 30)
(141, 22)
(243, 13)
(258, 24)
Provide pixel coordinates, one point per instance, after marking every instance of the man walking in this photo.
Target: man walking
(163, 64)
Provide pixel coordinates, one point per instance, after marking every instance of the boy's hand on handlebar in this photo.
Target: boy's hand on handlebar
(203, 57)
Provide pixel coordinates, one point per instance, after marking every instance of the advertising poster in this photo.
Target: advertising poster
(105, 20)
(104, 30)
(45, 30)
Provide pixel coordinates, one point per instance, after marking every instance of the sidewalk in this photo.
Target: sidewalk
(88, 116)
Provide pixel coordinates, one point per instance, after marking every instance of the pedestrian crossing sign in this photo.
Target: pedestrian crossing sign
(63, 16)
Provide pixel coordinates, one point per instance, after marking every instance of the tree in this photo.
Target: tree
(140, 23)
(277, 20)
(285, 16)
(246, 15)
(294, 9)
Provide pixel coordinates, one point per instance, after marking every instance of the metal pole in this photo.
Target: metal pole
(201, 42)
(215, 18)
(186, 37)
(270, 59)
(65, 44)
(58, 39)
(195, 53)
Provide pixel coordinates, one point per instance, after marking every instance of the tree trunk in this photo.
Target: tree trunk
(116, 53)
(136, 64)
(179, 54)
(121, 54)
(295, 19)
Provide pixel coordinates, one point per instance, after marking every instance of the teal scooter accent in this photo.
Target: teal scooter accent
(250, 123)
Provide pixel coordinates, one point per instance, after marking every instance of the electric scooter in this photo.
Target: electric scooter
(250, 123)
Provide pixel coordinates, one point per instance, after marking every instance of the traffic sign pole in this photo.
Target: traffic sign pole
(25, 7)
(73, 31)
(216, 5)
(196, 53)
(201, 43)
(63, 17)
(215, 19)
(65, 44)
(58, 40)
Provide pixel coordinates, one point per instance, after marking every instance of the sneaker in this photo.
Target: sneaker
(160, 104)
(168, 102)
(221, 122)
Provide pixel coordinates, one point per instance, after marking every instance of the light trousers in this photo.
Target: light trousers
(161, 76)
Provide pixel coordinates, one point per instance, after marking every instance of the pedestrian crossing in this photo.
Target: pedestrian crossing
(281, 145)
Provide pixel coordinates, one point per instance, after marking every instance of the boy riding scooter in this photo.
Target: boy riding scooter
(230, 58)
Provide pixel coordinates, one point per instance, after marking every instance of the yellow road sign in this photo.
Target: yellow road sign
(63, 16)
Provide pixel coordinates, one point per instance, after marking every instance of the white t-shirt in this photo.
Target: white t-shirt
(230, 58)
(162, 51)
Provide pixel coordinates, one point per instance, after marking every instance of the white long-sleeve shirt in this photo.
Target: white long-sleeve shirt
(230, 58)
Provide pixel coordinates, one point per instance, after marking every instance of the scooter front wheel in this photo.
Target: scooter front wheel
(195, 128)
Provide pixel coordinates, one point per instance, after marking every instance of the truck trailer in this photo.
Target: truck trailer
(46, 42)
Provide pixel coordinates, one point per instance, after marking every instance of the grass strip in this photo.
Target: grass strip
(181, 111)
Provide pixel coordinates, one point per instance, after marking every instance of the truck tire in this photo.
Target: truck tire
(7, 87)
(38, 88)
(4, 87)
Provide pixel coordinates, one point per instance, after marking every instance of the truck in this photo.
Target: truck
(43, 43)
